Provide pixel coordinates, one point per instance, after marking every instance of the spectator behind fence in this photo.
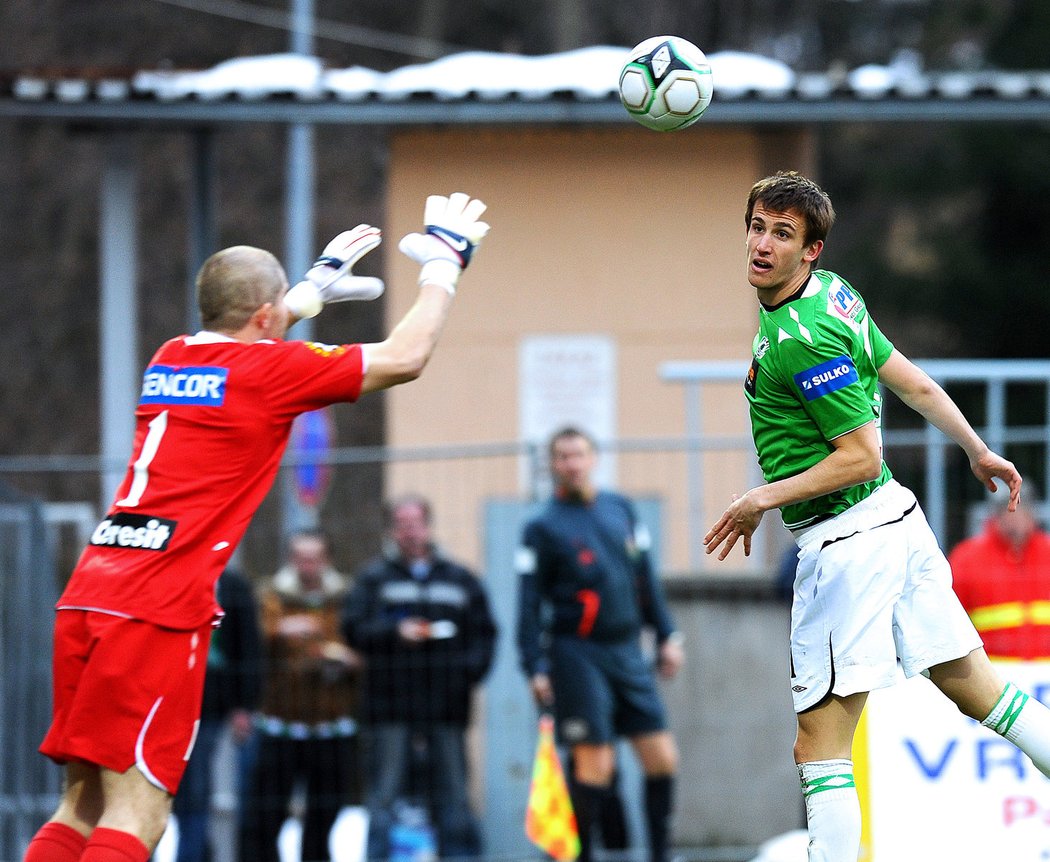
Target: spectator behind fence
(587, 590)
(306, 727)
(424, 625)
(1002, 578)
(231, 695)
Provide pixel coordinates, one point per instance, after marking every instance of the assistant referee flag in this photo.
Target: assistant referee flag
(550, 822)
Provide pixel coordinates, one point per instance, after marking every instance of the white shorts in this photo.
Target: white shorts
(872, 588)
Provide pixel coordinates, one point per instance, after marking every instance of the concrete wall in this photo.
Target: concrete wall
(730, 708)
(732, 715)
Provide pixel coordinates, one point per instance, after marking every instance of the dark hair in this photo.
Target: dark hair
(567, 432)
(789, 191)
(391, 506)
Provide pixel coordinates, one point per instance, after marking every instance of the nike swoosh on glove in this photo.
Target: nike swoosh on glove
(453, 232)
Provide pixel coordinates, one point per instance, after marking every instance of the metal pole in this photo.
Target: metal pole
(694, 468)
(118, 310)
(299, 236)
(936, 493)
(299, 172)
(995, 415)
(1046, 453)
(203, 234)
(299, 215)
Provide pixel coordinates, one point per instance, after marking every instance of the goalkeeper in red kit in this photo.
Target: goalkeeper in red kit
(133, 626)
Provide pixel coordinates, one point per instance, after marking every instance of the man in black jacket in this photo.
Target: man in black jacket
(424, 625)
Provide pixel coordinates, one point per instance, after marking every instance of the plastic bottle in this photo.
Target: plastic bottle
(412, 837)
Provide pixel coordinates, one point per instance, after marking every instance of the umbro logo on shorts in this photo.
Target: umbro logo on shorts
(798, 688)
(575, 729)
(127, 530)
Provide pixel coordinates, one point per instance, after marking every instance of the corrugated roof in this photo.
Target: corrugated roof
(570, 87)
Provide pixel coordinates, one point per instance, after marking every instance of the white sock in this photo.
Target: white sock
(832, 810)
(1025, 722)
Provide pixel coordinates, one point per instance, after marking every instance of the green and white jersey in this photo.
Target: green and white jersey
(814, 377)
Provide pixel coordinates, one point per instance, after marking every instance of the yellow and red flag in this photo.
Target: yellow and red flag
(550, 822)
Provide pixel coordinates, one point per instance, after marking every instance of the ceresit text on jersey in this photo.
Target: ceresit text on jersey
(126, 530)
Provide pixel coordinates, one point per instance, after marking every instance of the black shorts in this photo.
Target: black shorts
(603, 691)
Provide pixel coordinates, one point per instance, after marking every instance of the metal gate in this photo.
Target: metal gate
(29, 784)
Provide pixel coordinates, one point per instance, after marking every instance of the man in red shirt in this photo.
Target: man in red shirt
(1002, 578)
(134, 623)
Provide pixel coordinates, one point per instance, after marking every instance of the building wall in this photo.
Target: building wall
(621, 232)
(637, 236)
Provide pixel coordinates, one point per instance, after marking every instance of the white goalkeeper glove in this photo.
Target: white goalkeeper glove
(330, 278)
(453, 231)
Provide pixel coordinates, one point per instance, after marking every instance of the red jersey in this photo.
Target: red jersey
(212, 423)
(1005, 592)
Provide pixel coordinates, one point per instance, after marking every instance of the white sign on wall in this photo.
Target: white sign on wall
(941, 786)
(567, 380)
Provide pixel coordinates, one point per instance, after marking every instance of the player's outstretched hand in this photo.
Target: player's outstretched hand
(989, 466)
(330, 278)
(740, 520)
(453, 231)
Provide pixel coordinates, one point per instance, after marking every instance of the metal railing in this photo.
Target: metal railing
(680, 467)
(995, 375)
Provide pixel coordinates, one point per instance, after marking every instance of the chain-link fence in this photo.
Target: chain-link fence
(735, 623)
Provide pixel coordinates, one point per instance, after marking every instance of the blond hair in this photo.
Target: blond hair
(234, 283)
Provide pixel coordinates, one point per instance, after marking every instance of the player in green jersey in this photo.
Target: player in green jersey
(872, 587)
(821, 343)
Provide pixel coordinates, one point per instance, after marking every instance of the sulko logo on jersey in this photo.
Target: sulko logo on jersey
(828, 377)
(204, 385)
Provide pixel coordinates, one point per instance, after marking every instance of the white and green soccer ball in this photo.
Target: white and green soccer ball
(666, 83)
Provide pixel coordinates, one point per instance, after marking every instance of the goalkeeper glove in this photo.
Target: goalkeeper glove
(453, 232)
(330, 278)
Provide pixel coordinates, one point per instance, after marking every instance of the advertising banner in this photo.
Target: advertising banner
(937, 785)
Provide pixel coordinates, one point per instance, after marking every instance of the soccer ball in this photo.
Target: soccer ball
(666, 83)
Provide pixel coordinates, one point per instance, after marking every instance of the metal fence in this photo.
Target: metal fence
(1009, 403)
(28, 783)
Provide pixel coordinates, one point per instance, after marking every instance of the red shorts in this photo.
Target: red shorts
(126, 692)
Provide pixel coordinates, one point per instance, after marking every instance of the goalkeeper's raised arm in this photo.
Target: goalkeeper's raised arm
(452, 232)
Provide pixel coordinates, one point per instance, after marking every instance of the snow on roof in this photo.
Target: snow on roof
(583, 77)
(735, 73)
(247, 77)
(587, 72)
(590, 73)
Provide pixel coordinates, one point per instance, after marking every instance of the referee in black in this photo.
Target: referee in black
(586, 591)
